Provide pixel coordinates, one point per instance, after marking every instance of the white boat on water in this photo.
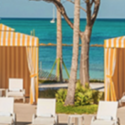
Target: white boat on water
(53, 20)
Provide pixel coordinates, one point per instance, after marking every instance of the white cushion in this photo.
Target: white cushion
(45, 115)
(108, 109)
(46, 106)
(5, 114)
(7, 105)
(16, 90)
(15, 94)
(44, 120)
(4, 120)
(103, 122)
(15, 83)
(107, 118)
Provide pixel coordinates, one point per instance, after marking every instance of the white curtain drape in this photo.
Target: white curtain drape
(32, 56)
(110, 64)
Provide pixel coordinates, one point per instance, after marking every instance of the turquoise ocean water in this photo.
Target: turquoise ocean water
(103, 29)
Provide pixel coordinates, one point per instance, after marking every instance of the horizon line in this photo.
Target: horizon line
(56, 18)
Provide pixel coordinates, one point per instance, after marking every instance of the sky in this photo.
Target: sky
(33, 9)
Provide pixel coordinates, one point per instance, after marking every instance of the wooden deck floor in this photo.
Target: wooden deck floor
(25, 111)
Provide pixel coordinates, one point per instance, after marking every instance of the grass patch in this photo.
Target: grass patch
(88, 109)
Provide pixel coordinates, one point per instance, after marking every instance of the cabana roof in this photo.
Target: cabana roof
(5, 28)
(12, 38)
(118, 42)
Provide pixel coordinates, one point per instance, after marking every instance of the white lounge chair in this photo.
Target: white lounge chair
(106, 114)
(16, 89)
(122, 100)
(7, 115)
(45, 114)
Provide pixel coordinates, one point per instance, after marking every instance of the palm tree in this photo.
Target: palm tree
(73, 75)
(84, 35)
(59, 47)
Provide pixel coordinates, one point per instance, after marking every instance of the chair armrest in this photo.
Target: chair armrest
(14, 117)
(93, 119)
(56, 119)
(117, 121)
(119, 103)
(23, 91)
(33, 117)
(7, 90)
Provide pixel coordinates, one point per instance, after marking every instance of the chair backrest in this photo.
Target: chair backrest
(107, 109)
(6, 105)
(46, 106)
(15, 84)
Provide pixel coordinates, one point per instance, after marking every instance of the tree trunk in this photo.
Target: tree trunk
(73, 75)
(59, 47)
(84, 62)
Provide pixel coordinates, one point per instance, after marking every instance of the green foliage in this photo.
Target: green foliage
(83, 95)
(87, 109)
(86, 85)
(61, 95)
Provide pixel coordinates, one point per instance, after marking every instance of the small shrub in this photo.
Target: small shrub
(61, 95)
(86, 86)
(83, 95)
